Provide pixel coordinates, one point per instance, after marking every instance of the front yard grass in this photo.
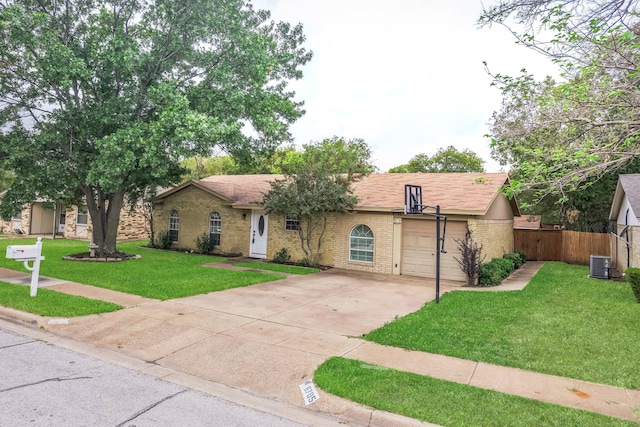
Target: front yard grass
(51, 303)
(443, 402)
(157, 274)
(563, 323)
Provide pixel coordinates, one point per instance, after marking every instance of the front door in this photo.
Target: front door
(259, 222)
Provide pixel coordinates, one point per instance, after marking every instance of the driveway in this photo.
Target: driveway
(265, 339)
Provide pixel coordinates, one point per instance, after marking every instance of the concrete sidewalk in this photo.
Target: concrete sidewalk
(266, 339)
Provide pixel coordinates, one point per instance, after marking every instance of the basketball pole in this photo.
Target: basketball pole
(437, 254)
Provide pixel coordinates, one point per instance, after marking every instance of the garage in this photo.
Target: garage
(419, 249)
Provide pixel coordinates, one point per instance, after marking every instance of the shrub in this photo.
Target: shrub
(505, 266)
(205, 243)
(164, 240)
(515, 258)
(471, 258)
(633, 277)
(282, 256)
(522, 254)
(489, 275)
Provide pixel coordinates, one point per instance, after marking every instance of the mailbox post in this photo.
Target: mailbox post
(26, 253)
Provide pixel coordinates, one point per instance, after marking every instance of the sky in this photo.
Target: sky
(405, 76)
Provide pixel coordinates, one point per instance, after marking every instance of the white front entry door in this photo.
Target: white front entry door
(259, 222)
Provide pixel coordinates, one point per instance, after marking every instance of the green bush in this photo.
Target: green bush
(164, 240)
(515, 258)
(633, 277)
(522, 254)
(282, 257)
(489, 275)
(505, 266)
(205, 243)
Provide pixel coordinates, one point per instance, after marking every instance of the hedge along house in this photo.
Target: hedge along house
(376, 237)
(71, 222)
(625, 209)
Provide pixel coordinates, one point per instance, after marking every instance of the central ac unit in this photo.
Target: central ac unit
(599, 266)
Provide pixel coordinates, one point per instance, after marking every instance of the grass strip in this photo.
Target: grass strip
(51, 303)
(562, 323)
(445, 403)
(281, 268)
(157, 274)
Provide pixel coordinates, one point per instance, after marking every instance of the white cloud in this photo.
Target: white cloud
(405, 76)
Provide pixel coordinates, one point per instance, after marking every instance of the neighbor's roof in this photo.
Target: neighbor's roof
(464, 193)
(628, 184)
(527, 222)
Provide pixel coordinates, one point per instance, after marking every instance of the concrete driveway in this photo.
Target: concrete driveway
(265, 339)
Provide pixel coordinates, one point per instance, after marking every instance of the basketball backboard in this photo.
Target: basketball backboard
(412, 199)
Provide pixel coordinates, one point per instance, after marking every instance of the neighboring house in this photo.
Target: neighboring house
(72, 222)
(527, 222)
(376, 237)
(624, 211)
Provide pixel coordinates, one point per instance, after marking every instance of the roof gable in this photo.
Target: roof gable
(629, 186)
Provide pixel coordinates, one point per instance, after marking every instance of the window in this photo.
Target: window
(82, 217)
(361, 244)
(291, 223)
(174, 222)
(215, 228)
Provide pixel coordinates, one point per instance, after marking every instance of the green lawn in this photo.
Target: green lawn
(443, 402)
(157, 274)
(563, 323)
(280, 268)
(51, 303)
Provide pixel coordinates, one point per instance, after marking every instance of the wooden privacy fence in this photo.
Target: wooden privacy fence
(572, 247)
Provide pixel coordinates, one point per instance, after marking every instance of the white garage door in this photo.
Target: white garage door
(419, 249)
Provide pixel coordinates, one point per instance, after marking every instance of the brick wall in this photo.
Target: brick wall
(279, 238)
(634, 250)
(495, 236)
(381, 225)
(194, 207)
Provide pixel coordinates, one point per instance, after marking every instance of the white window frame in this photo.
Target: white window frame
(361, 244)
(215, 226)
(82, 211)
(174, 224)
(291, 223)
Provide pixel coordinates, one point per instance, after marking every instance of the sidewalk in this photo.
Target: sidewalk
(266, 338)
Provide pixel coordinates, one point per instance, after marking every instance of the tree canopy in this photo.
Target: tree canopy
(445, 160)
(100, 100)
(318, 183)
(562, 135)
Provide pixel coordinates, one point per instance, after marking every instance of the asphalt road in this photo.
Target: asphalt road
(45, 385)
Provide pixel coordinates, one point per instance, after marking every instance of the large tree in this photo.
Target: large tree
(317, 183)
(445, 160)
(100, 100)
(562, 135)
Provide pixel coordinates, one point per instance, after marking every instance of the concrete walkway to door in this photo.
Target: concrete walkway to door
(266, 339)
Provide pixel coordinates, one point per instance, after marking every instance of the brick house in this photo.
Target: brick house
(625, 211)
(72, 222)
(377, 237)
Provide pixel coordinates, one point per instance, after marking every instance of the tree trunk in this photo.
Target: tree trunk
(105, 218)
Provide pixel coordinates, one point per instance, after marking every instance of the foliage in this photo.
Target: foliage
(505, 265)
(490, 274)
(110, 101)
(282, 256)
(163, 240)
(51, 303)
(445, 160)
(471, 258)
(633, 277)
(205, 243)
(516, 258)
(562, 323)
(430, 399)
(561, 136)
(318, 184)
(157, 274)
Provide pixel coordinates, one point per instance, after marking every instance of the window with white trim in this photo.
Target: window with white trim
(361, 244)
(174, 223)
(82, 216)
(215, 227)
(291, 223)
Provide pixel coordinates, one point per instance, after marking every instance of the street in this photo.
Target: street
(45, 385)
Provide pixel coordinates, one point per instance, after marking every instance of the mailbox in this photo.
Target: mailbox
(26, 254)
(30, 252)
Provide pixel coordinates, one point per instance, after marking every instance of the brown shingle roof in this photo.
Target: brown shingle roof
(629, 185)
(471, 193)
